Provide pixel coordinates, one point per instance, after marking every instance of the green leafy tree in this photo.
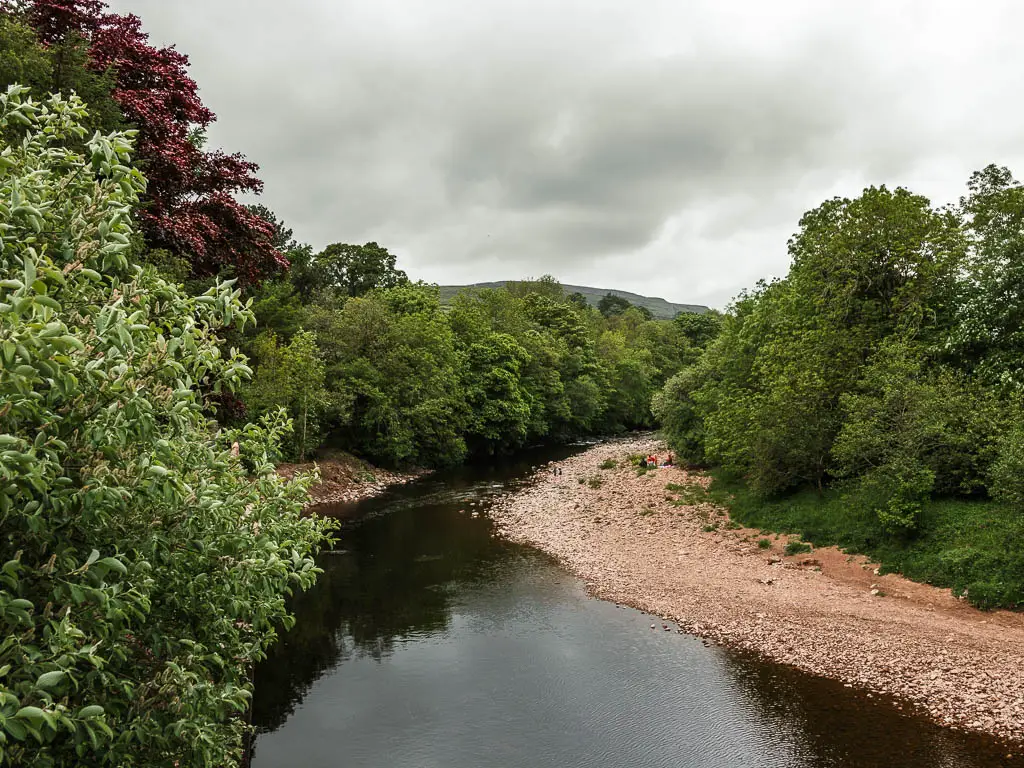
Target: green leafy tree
(351, 270)
(291, 376)
(60, 66)
(699, 329)
(611, 305)
(863, 270)
(392, 356)
(909, 432)
(988, 337)
(145, 564)
(578, 299)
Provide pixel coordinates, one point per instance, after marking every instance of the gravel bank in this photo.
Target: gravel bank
(345, 479)
(823, 612)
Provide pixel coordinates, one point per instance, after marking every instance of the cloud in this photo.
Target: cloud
(654, 146)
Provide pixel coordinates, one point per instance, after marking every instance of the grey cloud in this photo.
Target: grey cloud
(494, 140)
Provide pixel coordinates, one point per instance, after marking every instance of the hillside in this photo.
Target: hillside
(658, 307)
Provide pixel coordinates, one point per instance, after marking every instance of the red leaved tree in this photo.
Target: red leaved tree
(190, 205)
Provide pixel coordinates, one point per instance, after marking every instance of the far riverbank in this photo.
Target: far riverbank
(636, 542)
(346, 479)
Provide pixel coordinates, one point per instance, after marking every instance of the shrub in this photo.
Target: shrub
(608, 464)
(797, 548)
(145, 561)
(764, 544)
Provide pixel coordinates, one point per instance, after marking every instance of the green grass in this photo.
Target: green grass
(975, 547)
(608, 464)
(764, 544)
(688, 494)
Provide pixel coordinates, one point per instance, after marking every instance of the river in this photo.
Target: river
(430, 642)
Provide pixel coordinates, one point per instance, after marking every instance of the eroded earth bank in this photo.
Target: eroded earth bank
(632, 541)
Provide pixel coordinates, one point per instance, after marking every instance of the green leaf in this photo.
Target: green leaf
(51, 679)
(114, 564)
(33, 715)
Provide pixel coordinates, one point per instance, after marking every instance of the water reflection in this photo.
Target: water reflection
(430, 642)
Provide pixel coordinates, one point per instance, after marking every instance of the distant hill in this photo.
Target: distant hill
(660, 308)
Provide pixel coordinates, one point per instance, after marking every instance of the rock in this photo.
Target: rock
(876, 592)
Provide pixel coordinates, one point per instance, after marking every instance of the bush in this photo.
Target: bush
(145, 562)
(608, 464)
(764, 544)
(797, 548)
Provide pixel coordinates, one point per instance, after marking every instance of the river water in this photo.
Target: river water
(428, 642)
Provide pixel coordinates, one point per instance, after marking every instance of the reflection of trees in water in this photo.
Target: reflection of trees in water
(395, 579)
(826, 723)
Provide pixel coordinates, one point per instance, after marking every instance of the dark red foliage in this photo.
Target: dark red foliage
(54, 20)
(190, 208)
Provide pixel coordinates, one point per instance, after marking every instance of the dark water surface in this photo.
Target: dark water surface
(430, 643)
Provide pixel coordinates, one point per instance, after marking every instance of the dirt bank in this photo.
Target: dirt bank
(344, 478)
(824, 612)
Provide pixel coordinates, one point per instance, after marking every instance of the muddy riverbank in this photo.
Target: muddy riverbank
(629, 538)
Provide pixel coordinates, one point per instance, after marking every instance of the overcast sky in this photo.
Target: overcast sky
(663, 147)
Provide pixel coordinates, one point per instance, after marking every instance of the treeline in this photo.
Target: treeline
(365, 360)
(887, 366)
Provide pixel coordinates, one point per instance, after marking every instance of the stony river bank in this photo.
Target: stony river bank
(345, 479)
(632, 541)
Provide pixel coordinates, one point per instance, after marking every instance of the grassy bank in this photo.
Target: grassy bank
(973, 547)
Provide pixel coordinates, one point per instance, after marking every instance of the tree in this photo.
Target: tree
(145, 564)
(910, 431)
(988, 337)
(863, 270)
(351, 270)
(699, 328)
(611, 305)
(578, 299)
(680, 418)
(190, 206)
(291, 377)
(391, 355)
